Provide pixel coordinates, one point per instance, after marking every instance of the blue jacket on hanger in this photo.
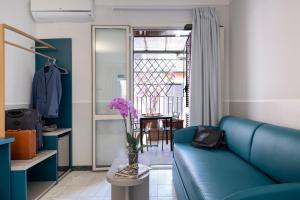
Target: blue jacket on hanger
(47, 91)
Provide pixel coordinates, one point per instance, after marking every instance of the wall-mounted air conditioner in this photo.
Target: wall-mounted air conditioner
(62, 10)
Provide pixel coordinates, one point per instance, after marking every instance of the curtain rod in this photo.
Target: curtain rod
(190, 27)
(182, 7)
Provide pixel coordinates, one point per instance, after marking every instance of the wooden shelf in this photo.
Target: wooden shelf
(21, 165)
(57, 132)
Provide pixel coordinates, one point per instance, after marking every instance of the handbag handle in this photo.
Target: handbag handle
(15, 113)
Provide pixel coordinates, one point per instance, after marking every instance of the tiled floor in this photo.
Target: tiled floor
(156, 155)
(85, 185)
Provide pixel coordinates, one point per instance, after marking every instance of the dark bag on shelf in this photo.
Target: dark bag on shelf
(208, 137)
(25, 119)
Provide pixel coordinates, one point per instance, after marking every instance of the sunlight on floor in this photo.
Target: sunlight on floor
(86, 185)
(156, 156)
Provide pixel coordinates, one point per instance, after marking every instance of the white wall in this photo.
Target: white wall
(82, 67)
(265, 50)
(20, 65)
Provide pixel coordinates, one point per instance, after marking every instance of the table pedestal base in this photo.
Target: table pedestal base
(138, 192)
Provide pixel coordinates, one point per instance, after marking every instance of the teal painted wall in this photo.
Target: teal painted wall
(63, 56)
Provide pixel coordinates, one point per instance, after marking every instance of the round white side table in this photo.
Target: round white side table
(127, 188)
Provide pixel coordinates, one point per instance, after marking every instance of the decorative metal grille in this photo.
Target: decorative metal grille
(153, 77)
(188, 75)
(188, 69)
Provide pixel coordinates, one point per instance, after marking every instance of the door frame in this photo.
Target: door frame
(96, 117)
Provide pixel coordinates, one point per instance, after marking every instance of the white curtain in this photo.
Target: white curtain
(205, 68)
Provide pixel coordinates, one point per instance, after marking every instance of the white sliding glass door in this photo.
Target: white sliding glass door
(111, 58)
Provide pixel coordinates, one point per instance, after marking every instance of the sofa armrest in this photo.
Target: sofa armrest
(184, 135)
(290, 191)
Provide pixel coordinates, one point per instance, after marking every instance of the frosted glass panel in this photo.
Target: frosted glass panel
(110, 67)
(110, 141)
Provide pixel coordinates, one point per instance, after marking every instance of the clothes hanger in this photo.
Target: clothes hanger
(63, 71)
(47, 66)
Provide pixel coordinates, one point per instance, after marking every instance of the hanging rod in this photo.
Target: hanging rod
(39, 47)
(13, 29)
(30, 50)
(4, 27)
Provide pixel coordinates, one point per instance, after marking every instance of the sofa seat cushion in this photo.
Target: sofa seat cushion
(214, 174)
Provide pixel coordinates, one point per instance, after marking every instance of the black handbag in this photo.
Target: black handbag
(25, 119)
(208, 137)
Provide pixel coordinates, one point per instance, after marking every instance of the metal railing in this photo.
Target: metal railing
(160, 105)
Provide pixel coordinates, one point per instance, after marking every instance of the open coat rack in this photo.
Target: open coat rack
(45, 45)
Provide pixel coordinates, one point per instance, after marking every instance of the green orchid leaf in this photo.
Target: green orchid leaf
(141, 147)
(132, 141)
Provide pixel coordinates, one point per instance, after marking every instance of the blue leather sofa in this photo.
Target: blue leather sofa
(262, 162)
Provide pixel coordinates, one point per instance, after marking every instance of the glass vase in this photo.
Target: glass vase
(133, 157)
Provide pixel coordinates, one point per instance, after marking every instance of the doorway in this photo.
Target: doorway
(155, 80)
(160, 84)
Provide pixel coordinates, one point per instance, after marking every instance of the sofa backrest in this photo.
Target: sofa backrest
(239, 134)
(276, 151)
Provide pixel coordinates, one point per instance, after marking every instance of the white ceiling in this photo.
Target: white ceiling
(151, 3)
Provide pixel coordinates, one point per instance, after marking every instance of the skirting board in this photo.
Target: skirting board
(82, 168)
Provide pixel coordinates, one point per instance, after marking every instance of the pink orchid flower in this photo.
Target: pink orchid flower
(124, 107)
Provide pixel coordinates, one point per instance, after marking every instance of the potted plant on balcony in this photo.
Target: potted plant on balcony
(128, 112)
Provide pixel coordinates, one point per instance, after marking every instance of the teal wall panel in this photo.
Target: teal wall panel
(50, 142)
(63, 56)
